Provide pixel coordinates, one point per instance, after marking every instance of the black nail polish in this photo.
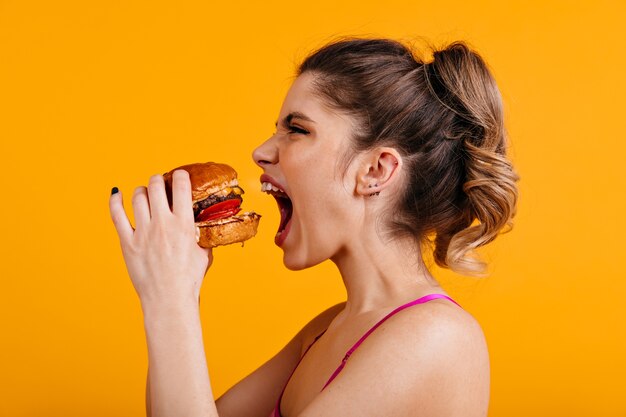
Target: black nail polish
(114, 190)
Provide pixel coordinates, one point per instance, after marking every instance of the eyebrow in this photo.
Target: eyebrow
(295, 115)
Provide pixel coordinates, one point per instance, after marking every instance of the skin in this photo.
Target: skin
(428, 360)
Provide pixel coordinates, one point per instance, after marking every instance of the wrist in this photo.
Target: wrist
(170, 306)
(170, 322)
(176, 296)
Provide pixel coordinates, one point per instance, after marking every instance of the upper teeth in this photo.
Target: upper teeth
(267, 187)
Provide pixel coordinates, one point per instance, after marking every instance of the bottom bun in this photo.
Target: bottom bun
(226, 231)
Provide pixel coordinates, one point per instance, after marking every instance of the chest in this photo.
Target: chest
(317, 366)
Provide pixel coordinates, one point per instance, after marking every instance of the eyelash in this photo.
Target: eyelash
(299, 130)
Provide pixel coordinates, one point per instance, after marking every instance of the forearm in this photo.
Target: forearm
(178, 376)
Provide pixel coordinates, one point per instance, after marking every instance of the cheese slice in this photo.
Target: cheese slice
(229, 190)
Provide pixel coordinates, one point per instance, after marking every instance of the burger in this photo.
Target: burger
(216, 198)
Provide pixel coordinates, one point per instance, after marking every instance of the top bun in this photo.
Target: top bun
(206, 178)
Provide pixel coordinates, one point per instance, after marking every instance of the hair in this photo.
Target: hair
(445, 117)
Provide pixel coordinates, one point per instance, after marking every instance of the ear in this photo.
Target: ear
(380, 168)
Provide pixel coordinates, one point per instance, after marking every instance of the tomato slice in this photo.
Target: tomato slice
(220, 210)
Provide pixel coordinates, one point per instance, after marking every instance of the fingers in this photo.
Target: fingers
(119, 217)
(151, 202)
(141, 207)
(181, 191)
(158, 199)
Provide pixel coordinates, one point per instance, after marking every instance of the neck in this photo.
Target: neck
(379, 274)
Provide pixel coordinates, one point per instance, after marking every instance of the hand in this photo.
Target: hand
(163, 259)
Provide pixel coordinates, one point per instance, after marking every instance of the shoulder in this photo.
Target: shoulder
(438, 324)
(436, 347)
(431, 357)
(439, 331)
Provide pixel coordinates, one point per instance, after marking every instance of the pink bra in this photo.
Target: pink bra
(421, 300)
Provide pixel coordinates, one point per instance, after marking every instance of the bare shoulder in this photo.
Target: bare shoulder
(438, 325)
(442, 349)
(430, 357)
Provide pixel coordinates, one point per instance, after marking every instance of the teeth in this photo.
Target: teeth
(268, 187)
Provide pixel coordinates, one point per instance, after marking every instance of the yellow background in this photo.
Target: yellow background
(95, 94)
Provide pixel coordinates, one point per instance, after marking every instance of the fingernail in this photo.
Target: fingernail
(114, 190)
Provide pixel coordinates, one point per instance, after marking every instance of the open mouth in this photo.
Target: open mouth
(284, 205)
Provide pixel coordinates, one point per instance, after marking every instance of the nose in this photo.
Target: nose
(266, 153)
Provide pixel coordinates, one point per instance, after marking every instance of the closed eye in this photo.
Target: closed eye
(296, 129)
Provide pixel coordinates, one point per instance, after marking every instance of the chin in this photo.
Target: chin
(295, 264)
(298, 262)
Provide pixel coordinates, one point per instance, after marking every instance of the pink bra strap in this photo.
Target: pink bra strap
(421, 300)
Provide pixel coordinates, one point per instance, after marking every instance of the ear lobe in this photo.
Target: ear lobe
(379, 171)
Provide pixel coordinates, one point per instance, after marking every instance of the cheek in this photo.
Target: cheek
(309, 177)
(320, 186)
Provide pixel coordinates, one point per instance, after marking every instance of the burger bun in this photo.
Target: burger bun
(226, 231)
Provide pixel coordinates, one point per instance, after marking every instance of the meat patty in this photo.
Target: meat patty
(213, 199)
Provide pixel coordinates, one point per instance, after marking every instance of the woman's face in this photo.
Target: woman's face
(303, 161)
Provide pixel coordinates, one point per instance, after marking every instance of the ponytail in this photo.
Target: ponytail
(460, 80)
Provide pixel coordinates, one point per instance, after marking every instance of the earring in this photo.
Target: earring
(372, 186)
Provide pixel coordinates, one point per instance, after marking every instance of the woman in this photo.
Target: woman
(377, 155)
